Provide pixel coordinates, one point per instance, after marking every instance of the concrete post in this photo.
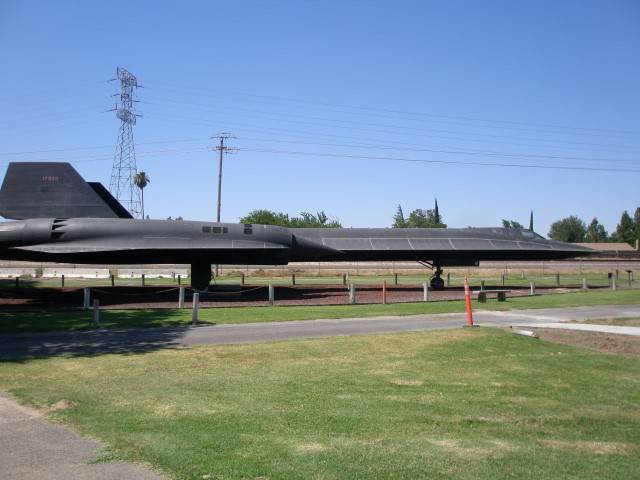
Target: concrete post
(142, 279)
(614, 281)
(522, 274)
(87, 298)
(502, 279)
(584, 283)
(532, 288)
(96, 312)
(557, 279)
(448, 279)
(196, 306)
(352, 294)
(425, 292)
(62, 280)
(272, 294)
(181, 297)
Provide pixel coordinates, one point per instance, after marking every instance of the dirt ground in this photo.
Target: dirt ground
(601, 342)
(227, 296)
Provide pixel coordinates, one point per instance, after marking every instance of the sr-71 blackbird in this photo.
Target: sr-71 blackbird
(62, 218)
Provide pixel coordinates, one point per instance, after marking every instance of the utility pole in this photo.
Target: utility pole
(222, 148)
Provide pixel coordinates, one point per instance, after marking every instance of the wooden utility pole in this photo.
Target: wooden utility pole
(222, 149)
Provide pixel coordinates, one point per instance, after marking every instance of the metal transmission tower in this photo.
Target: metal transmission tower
(222, 148)
(124, 168)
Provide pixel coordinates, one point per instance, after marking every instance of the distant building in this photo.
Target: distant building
(612, 250)
(608, 247)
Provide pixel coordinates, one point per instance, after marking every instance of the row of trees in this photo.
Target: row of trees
(305, 220)
(574, 229)
(419, 218)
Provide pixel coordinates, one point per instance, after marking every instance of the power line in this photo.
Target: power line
(448, 162)
(225, 94)
(95, 147)
(389, 128)
(442, 149)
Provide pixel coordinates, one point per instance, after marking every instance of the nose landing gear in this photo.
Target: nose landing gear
(200, 276)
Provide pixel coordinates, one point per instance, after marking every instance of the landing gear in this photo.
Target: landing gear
(436, 280)
(200, 276)
(437, 283)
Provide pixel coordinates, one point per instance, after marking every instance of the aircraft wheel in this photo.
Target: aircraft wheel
(437, 283)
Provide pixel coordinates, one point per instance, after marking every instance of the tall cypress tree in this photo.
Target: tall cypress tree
(398, 219)
(625, 232)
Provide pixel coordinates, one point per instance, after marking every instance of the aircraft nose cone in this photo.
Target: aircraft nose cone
(305, 249)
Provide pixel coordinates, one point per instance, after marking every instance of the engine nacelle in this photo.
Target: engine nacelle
(25, 232)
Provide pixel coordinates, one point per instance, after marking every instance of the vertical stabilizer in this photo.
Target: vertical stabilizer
(50, 190)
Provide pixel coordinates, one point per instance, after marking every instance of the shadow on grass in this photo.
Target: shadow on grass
(122, 332)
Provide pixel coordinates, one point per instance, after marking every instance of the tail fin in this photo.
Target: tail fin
(49, 190)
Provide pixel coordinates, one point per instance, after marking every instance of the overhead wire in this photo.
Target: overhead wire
(585, 130)
(438, 161)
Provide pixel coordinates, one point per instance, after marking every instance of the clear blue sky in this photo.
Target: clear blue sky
(544, 83)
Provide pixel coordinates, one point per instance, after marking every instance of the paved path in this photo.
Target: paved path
(141, 340)
(617, 329)
(32, 448)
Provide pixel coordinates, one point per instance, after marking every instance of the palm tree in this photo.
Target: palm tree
(141, 180)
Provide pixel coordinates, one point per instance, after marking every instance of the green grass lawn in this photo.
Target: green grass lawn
(480, 404)
(12, 322)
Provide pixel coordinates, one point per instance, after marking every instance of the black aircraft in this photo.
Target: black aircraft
(62, 218)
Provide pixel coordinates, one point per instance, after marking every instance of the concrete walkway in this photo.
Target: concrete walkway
(32, 448)
(585, 327)
(19, 346)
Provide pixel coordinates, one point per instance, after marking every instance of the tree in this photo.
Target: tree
(266, 217)
(141, 180)
(398, 219)
(596, 232)
(420, 218)
(309, 220)
(305, 220)
(626, 229)
(569, 229)
(512, 224)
